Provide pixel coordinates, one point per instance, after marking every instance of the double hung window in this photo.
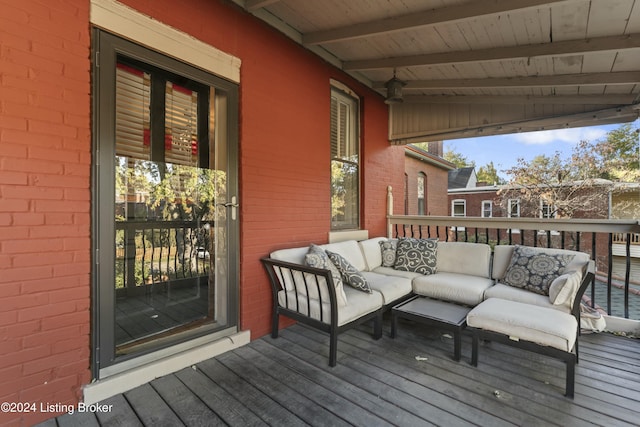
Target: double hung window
(345, 162)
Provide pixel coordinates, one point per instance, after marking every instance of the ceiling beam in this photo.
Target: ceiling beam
(582, 79)
(252, 5)
(591, 118)
(421, 19)
(522, 99)
(561, 48)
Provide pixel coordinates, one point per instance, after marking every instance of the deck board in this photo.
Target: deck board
(151, 408)
(287, 382)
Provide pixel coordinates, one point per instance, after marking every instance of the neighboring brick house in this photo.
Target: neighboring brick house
(621, 201)
(426, 174)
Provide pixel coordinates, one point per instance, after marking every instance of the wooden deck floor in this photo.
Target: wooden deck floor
(411, 380)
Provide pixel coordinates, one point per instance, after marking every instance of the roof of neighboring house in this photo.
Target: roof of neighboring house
(425, 156)
(459, 178)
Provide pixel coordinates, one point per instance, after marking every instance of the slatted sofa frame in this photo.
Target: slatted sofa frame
(569, 358)
(314, 277)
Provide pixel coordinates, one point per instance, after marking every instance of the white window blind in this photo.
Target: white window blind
(133, 94)
(181, 125)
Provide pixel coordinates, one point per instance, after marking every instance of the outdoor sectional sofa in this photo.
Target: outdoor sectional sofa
(306, 287)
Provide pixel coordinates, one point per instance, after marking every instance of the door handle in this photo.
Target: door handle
(233, 204)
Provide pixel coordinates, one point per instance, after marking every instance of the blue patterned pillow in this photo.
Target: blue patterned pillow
(534, 269)
(388, 250)
(416, 255)
(349, 273)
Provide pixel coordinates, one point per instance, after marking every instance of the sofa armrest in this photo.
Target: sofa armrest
(587, 278)
(306, 283)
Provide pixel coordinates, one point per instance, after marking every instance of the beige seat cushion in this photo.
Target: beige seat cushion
(460, 288)
(390, 271)
(510, 293)
(391, 287)
(360, 303)
(527, 322)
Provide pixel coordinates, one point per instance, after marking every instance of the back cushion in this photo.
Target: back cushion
(372, 252)
(473, 259)
(350, 250)
(294, 255)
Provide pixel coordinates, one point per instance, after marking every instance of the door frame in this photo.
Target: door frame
(105, 48)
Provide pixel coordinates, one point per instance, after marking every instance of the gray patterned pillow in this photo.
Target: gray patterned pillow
(350, 274)
(534, 269)
(416, 255)
(317, 257)
(388, 249)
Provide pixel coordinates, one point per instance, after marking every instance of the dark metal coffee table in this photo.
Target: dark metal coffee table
(444, 315)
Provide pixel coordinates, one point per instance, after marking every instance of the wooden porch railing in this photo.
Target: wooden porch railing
(621, 239)
(593, 236)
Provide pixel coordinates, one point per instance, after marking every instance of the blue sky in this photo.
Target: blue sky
(504, 150)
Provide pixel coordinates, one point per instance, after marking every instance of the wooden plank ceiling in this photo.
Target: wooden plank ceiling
(480, 67)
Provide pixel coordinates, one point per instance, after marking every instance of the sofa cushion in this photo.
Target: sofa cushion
(360, 303)
(316, 257)
(506, 292)
(473, 259)
(350, 275)
(460, 288)
(349, 250)
(371, 250)
(294, 255)
(534, 269)
(390, 271)
(563, 289)
(391, 287)
(526, 322)
(388, 253)
(416, 255)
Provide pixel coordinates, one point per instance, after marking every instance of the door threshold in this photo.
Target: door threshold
(130, 379)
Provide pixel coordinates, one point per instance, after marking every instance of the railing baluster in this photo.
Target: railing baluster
(627, 277)
(609, 271)
(594, 257)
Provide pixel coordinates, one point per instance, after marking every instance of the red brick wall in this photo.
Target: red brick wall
(435, 188)
(284, 141)
(45, 162)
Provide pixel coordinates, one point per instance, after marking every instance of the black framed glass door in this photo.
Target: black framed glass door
(165, 200)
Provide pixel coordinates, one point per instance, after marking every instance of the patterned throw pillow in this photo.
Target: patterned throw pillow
(317, 257)
(388, 249)
(534, 269)
(349, 273)
(416, 255)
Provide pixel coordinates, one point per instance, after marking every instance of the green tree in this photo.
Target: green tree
(489, 174)
(458, 159)
(563, 185)
(620, 152)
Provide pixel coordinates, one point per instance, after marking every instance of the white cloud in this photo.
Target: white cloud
(569, 136)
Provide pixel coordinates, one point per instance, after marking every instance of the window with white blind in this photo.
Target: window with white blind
(345, 162)
(179, 124)
(487, 208)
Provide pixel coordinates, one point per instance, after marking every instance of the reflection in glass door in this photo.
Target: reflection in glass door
(165, 158)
